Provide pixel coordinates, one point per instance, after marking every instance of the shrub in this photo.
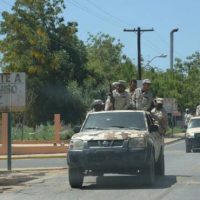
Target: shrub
(42, 132)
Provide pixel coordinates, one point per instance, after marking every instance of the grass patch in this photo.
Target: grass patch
(176, 129)
(41, 133)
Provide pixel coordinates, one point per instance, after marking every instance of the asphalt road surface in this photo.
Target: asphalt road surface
(34, 163)
(182, 182)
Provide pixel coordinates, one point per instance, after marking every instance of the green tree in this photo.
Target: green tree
(183, 83)
(165, 84)
(37, 41)
(192, 81)
(106, 64)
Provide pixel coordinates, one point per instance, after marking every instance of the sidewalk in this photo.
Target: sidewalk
(176, 137)
(167, 140)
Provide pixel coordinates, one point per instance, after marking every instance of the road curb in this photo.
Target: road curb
(174, 141)
(14, 170)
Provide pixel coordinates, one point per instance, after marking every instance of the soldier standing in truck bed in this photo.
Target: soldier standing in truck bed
(198, 110)
(142, 97)
(97, 105)
(160, 116)
(131, 90)
(120, 98)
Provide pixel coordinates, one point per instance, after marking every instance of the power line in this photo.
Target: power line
(88, 11)
(108, 14)
(106, 19)
(85, 9)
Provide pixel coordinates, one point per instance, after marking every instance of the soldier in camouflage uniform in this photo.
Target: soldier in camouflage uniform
(198, 110)
(97, 106)
(131, 90)
(109, 100)
(132, 87)
(114, 85)
(160, 116)
(142, 97)
(187, 116)
(121, 98)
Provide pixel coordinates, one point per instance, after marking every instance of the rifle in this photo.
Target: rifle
(112, 97)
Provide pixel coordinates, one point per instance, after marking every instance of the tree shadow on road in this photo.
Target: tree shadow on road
(129, 182)
(18, 178)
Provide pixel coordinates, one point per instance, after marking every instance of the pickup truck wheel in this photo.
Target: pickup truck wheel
(160, 164)
(75, 177)
(148, 174)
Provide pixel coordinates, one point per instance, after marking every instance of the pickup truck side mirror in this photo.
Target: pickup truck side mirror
(153, 128)
(77, 129)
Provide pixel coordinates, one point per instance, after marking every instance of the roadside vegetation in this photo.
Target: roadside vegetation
(40, 133)
(175, 130)
(64, 74)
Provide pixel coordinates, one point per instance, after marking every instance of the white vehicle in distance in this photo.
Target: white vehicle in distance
(192, 137)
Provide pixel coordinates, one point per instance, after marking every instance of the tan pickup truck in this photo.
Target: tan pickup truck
(121, 142)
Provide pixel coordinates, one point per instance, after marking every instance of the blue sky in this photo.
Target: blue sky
(112, 16)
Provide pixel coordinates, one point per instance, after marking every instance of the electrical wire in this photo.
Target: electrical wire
(89, 11)
(105, 17)
(120, 21)
(146, 41)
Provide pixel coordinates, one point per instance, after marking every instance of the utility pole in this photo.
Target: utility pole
(172, 48)
(172, 67)
(139, 30)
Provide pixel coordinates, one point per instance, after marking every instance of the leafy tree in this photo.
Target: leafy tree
(192, 81)
(106, 64)
(127, 70)
(37, 41)
(182, 83)
(165, 84)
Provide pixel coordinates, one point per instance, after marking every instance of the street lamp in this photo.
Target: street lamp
(160, 56)
(172, 47)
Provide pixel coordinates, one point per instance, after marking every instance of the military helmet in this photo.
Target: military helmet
(159, 100)
(122, 82)
(97, 102)
(147, 81)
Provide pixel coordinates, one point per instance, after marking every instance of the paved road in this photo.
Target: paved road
(182, 182)
(34, 163)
